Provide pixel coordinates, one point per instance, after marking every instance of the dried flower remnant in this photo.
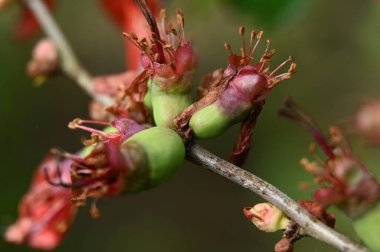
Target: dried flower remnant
(127, 159)
(168, 59)
(345, 180)
(294, 232)
(101, 173)
(45, 60)
(266, 217)
(46, 211)
(235, 95)
(366, 121)
(120, 87)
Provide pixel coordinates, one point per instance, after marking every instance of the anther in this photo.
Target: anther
(228, 48)
(241, 30)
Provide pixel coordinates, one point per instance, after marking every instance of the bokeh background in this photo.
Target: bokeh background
(337, 46)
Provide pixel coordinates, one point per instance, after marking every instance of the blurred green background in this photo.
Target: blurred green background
(337, 47)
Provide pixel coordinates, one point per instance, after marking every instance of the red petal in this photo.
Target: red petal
(184, 58)
(129, 18)
(27, 24)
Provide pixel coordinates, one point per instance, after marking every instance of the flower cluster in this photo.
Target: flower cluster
(140, 140)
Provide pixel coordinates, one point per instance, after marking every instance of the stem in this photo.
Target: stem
(69, 62)
(314, 228)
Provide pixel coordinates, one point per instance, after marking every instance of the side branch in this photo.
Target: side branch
(70, 63)
(314, 228)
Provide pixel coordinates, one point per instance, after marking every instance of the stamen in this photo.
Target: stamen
(241, 33)
(65, 154)
(228, 48)
(181, 22)
(259, 36)
(144, 8)
(94, 210)
(142, 45)
(163, 19)
(77, 124)
(266, 57)
(280, 66)
(252, 37)
(310, 167)
(285, 76)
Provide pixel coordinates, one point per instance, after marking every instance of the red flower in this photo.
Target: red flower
(46, 211)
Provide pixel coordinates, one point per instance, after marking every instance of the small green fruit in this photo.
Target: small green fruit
(212, 120)
(167, 104)
(156, 154)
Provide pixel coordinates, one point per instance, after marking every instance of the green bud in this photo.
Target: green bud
(367, 227)
(155, 155)
(167, 104)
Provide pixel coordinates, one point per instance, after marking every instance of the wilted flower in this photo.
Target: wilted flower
(345, 180)
(266, 217)
(101, 173)
(46, 211)
(123, 158)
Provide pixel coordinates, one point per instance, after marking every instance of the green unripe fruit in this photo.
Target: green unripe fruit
(167, 104)
(156, 154)
(367, 227)
(148, 96)
(212, 120)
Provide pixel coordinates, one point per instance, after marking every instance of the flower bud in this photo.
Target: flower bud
(45, 59)
(266, 217)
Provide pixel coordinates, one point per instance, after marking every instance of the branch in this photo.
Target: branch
(69, 62)
(196, 153)
(314, 228)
